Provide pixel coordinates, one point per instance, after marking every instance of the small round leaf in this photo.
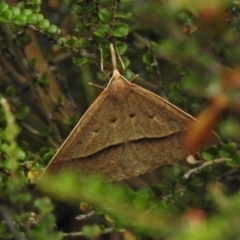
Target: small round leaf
(3, 7)
(32, 18)
(105, 15)
(53, 29)
(15, 11)
(21, 19)
(6, 16)
(121, 30)
(44, 24)
(102, 30)
(26, 12)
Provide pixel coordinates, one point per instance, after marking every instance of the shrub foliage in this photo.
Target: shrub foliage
(185, 51)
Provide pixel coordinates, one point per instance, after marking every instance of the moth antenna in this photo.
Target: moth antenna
(113, 56)
(120, 59)
(101, 66)
(136, 76)
(95, 85)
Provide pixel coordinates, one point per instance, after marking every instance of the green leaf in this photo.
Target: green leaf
(126, 62)
(121, 47)
(128, 74)
(6, 16)
(44, 79)
(44, 150)
(147, 58)
(79, 27)
(149, 69)
(53, 29)
(231, 148)
(232, 164)
(183, 17)
(43, 205)
(24, 145)
(102, 30)
(175, 97)
(37, 2)
(88, 8)
(224, 154)
(228, 150)
(39, 17)
(236, 157)
(182, 70)
(26, 12)
(44, 132)
(21, 20)
(77, 9)
(73, 42)
(21, 155)
(71, 121)
(213, 151)
(32, 18)
(15, 11)
(44, 24)
(230, 128)
(120, 30)
(91, 231)
(195, 107)
(197, 181)
(22, 112)
(10, 91)
(62, 41)
(207, 156)
(174, 87)
(79, 61)
(3, 7)
(106, 15)
(124, 15)
(83, 42)
(47, 157)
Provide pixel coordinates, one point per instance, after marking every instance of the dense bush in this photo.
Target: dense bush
(186, 51)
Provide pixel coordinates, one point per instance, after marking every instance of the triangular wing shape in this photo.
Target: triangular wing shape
(127, 131)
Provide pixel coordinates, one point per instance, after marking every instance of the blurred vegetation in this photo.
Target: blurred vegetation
(186, 51)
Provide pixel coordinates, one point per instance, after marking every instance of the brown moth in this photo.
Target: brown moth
(126, 132)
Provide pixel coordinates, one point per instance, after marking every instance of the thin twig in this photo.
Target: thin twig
(206, 164)
(29, 128)
(79, 234)
(10, 223)
(85, 216)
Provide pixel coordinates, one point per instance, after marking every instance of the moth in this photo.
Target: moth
(127, 131)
